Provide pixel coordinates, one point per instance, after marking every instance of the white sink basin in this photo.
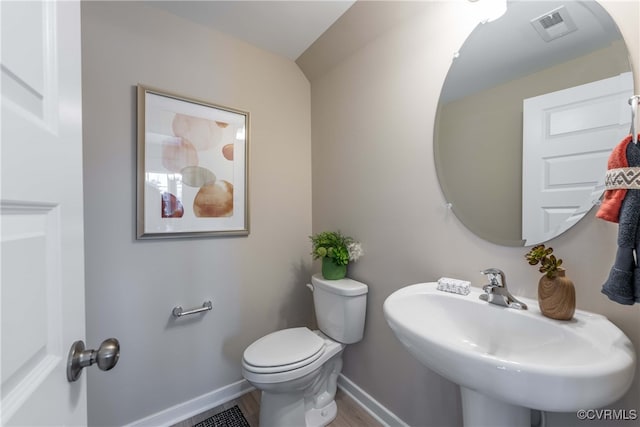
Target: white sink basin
(518, 357)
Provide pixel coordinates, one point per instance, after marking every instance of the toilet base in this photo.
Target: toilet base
(321, 417)
(291, 411)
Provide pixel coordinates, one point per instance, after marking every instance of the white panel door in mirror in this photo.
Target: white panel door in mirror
(567, 139)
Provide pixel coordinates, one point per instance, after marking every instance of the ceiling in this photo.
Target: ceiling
(286, 28)
(510, 48)
(290, 27)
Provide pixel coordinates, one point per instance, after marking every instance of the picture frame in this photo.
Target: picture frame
(192, 161)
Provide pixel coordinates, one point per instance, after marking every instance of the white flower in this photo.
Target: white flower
(355, 251)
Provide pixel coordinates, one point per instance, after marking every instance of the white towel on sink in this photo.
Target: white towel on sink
(455, 286)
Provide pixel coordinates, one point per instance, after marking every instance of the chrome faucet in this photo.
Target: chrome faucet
(496, 290)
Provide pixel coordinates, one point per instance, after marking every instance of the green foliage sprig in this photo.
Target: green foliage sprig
(335, 245)
(549, 264)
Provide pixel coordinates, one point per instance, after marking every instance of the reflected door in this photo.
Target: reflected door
(567, 138)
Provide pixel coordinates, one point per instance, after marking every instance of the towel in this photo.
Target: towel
(612, 201)
(623, 283)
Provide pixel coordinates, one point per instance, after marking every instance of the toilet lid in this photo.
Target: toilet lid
(288, 349)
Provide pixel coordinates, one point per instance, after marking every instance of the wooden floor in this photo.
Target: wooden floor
(350, 414)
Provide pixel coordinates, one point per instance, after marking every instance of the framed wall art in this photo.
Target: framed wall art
(192, 167)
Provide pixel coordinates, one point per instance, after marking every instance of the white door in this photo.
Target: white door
(41, 210)
(567, 138)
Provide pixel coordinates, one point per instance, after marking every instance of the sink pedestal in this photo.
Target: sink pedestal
(479, 410)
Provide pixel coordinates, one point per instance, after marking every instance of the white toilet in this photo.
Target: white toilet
(296, 369)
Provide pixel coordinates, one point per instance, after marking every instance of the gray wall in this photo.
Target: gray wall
(372, 123)
(256, 282)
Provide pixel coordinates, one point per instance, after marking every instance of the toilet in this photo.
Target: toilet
(297, 368)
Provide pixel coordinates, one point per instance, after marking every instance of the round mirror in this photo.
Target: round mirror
(530, 110)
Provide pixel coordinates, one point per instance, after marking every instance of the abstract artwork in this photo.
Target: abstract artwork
(192, 167)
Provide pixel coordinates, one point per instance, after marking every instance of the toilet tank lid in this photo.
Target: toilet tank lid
(346, 286)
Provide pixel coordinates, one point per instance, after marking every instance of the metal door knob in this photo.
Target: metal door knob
(105, 357)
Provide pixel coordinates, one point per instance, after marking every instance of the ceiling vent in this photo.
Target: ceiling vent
(554, 24)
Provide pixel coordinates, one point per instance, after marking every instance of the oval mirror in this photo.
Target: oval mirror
(529, 112)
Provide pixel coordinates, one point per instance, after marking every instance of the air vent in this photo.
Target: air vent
(551, 20)
(554, 24)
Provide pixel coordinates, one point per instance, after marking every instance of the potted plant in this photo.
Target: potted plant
(336, 251)
(556, 292)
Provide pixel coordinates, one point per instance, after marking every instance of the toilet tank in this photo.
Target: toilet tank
(340, 307)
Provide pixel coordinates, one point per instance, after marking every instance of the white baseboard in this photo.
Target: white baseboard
(232, 391)
(369, 404)
(195, 406)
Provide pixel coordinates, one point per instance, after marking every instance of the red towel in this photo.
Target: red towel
(612, 201)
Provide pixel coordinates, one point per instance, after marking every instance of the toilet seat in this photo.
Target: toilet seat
(283, 350)
(295, 370)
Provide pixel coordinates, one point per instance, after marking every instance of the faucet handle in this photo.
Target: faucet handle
(492, 274)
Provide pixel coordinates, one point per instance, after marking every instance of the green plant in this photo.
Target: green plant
(549, 264)
(333, 244)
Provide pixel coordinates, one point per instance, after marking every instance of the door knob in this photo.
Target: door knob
(105, 357)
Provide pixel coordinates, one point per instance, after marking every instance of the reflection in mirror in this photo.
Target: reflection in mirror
(555, 75)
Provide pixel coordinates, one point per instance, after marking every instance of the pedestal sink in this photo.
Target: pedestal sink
(509, 361)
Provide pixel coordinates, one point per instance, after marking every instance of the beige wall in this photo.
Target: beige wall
(257, 282)
(374, 178)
